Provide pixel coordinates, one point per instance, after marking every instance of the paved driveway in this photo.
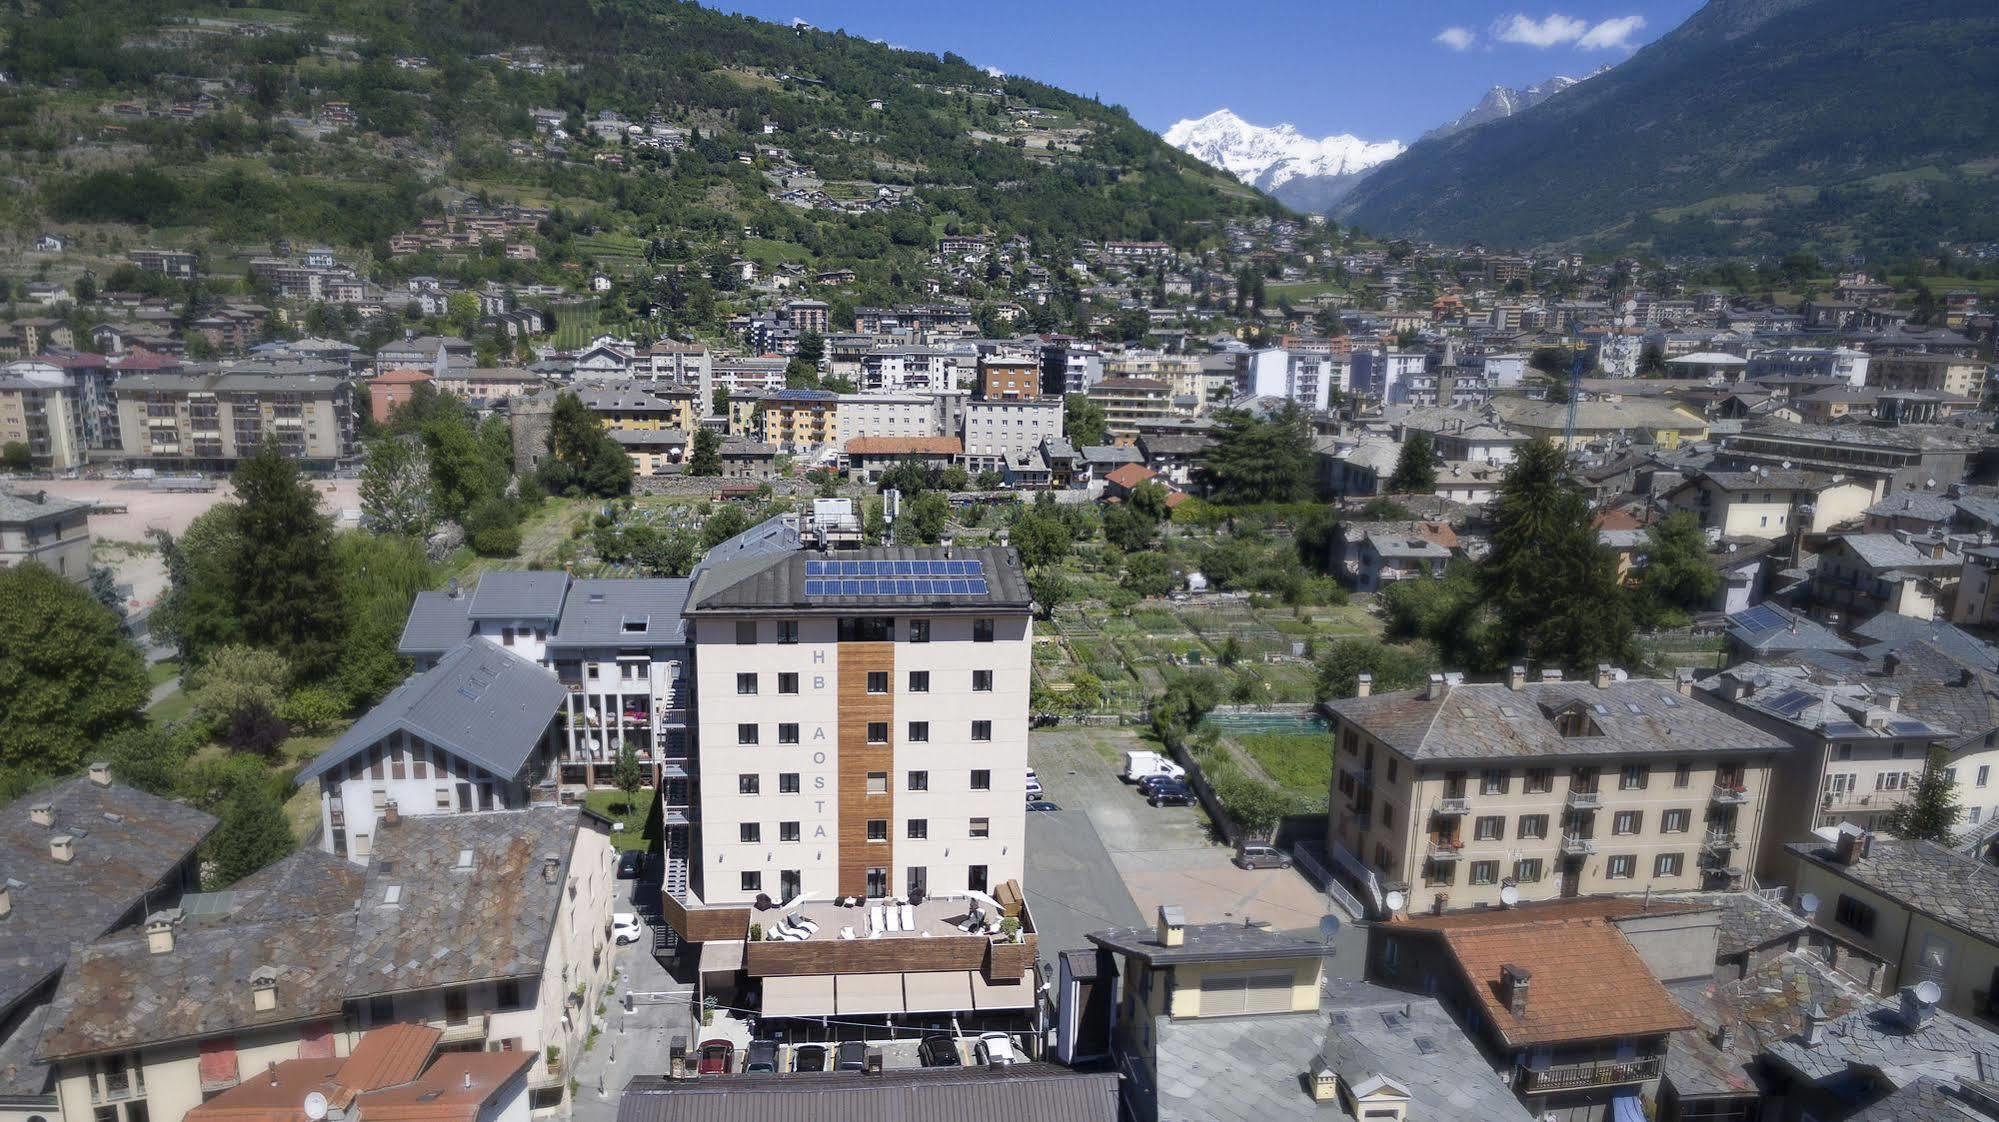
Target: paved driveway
(634, 1042)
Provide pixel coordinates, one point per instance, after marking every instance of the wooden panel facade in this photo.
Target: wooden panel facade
(704, 924)
(858, 759)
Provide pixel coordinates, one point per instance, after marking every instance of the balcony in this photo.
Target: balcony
(1446, 850)
(1730, 794)
(1574, 845)
(1590, 1073)
(1580, 799)
(1452, 806)
(1719, 841)
(465, 1029)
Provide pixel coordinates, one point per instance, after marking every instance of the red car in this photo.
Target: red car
(718, 1057)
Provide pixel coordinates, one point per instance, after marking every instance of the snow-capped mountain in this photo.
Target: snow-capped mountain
(1505, 101)
(1300, 171)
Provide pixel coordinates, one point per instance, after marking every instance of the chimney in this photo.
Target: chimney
(1724, 1037)
(272, 1073)
(264, 990)
(551, 867)
(62, 847)
(1919, 1005)
(1324, 1081)
(1815, 1025)
(1172, 926)
(1683, 681)
(1363, 684)
(1605, 675)
(390, 815)
(1551, 674)
(100, 773)
(1516, 677)
(1438, 686)
(160, 933)
(42, 814)
(874, 1061)
(1513, 986)
(468, 1080)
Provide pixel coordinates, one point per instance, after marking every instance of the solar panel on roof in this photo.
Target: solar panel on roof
(1907, 727)
(1842, 728)
(1790, 703)
(1762, 617)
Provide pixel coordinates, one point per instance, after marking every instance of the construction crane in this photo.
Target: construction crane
(1576, 365)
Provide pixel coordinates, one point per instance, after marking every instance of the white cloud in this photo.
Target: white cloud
(1612, 34)
(1457, 38)
(1552, 31)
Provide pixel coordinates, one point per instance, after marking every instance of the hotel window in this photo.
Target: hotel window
(1527, 870)
(982, 827)
(982, 631)
(1675, 821)
(787, 683)
(1484, 872)
(1540, 780)
(746, 633)
(1668, 864)
(1621, 867)
(919, 732)
(787, 734)
(749, 784)
(877, 829)
(919, 829)
(878, 783)
(749, 832)
(746, 734)
(982, 779)
(1626, 821)
(877, 732)
(753, 882)
(877, 681)
(1633, 777)
(919, 781)
(982, 681)
(787, 631)
(746, 684)
(919, 631)
(1488, 828)
(1492, 781)
(982, 730)
(1533, 827)
(787, 831)
(919, 681)
(787, 783)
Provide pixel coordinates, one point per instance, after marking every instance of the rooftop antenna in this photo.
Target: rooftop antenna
(315, 1106)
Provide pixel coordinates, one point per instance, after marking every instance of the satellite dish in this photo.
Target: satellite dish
(315, 1106)
(1509, 895)
(1928, 992)
(1808, 903)
(1395, 901)
(1329, 927)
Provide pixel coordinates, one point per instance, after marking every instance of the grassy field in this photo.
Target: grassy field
(1301, 762)
(641, 822)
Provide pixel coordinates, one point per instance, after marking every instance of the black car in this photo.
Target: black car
(1042, 804)
(762, 1058)
(853, 1056)
(1172, 793)
(808, 1057)
(631, 864)
(939, 1051)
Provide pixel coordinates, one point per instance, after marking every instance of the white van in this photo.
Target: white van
(1138, 765)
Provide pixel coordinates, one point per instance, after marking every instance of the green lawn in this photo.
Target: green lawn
(641, 822)
(174, 707)
(165, 670)
(1298, 762)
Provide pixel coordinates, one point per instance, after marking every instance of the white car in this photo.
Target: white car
(626, 928)
(995, 1049)
(1033, 784)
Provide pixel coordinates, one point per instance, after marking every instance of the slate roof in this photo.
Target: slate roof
(1923, 506)
(1935, 1100)
(1030, 1091)
(118, 860)
(481, 702)
(1588, 982)
(1766, 1005)
(1488, 721)
(1416, 1042)
(22, 506)
(519, 594)
(1766, 628)
(1886, 551)
(437, 622)
(1922, 876)
(1893, 630)
(1111, 454)
(1206, 942)
(777, 583)
(597, 612)
(1877, 1043)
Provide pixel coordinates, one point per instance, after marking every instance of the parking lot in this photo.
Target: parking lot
(1159, 855)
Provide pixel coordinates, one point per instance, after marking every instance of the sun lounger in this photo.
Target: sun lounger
(874, 923)
(846, 933)
(908, 917)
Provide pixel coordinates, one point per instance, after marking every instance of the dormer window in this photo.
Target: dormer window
(636, 625)
(1574, 720)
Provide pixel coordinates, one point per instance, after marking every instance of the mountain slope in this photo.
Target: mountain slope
(1756, 125)
(1501, 102)
(1299, 171)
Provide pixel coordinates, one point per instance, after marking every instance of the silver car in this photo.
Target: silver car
(1262, 857)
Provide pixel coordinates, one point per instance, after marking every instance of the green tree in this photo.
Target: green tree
(381, 575)
(311, 708)
(396, 493)
(1415, 466)
(149, 756)
(1050, 590)
(287, 588)
(1149, 574)
(1082, 420)
(1041, 538)
(1345, 660)
(811, 347)
(15, 455)
(584, 459)
(235, 678)
(1677, 578)
(706, 459)
(923, 520)
(198, 611)
(718, 401)
(68, 675)
(629, 776)
(1149, 498)
(252, 834)
(727, 521)
(1552, 587)
(463, 471)
(1254, 460)
(1129, 528)
(493, 528)
(1931, 812)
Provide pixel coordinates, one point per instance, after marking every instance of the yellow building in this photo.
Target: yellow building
(1664, 424)
(796, 420)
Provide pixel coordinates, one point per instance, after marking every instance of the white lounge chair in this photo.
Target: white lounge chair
(909, 917)
(893, 917)
(846, 933)
(803, 924)
(874, 923)
(791, 936)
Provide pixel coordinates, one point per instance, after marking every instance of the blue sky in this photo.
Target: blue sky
(1376, 68)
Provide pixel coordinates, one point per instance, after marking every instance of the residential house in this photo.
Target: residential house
(391, 388)
(1765, 631)
(1456, 791)
(999, 435)
(1912, 512)
(1769, 503)
(395, 1074)
(869, 456)
(748, 459)
(45, 530)
(1898, 1059)
(1859, 575)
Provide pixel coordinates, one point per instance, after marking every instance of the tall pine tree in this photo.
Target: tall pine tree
(288, 589)
(1553, 589)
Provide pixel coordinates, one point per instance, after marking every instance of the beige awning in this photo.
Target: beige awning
(937, 991)
(802, 995)
(869, 993)
(986, 995)
(721, 956)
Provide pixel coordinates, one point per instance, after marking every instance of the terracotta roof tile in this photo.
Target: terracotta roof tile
(1587, 982)
(389, 1056)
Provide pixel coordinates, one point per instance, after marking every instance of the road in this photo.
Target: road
(635, 1042)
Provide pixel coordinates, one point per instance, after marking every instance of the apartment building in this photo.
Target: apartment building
(1950, 375)
(1304, 377)
(800, 420)
(210, 421)
(616, 648)
(1006, 377)
(1861, 575)
(1770, 502)
(867, 415)
(490, 928)
(1849, 366)
(48, 531)
(1131, 402)
(745, 375)
(906, 370)
(45, 411)
(636, 406)
(1557, 788)
(1002, 435)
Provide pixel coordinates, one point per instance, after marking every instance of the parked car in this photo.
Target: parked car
(995, 1049)
(1033, 784)
(626, 928)
(939, 1051)
(631, 864)
(853, 1056)
(808, 1057)
(1151, 782)
(1041, 804)
(718, 1057)
(761, 1058)
(1139, 764)
(1262, 857)
(1173, 792)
